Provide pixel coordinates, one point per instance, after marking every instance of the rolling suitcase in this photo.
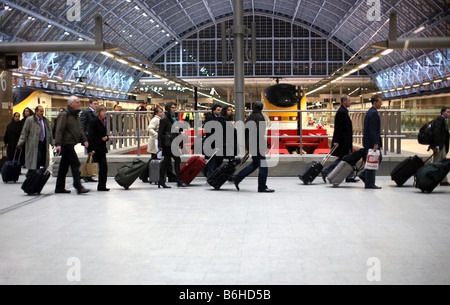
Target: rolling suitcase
(339, 173)
(3, 159)
(11, 169)
(190, 170)
(154, 167)
(36, 180)
(127, 174)
(429, 176)
(311, 171)
(224, 172)
(406, 169)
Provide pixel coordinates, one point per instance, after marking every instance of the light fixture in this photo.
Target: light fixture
(374, 59)
(386, 52)
(438, 81)
(122, 61)
(425, 84)
(362, 66)
(107, 54)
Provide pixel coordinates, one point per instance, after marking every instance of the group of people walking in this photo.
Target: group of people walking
(34, 135)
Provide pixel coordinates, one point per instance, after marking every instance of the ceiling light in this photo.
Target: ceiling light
(353, 71)
(419, 30)
(362, 66)
(374, 59)
(122, 61)
(107, 54)
(438, 81)
(424, 84)
(386, 52)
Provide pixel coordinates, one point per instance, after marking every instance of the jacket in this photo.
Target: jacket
(153, 129)
(257, 117)
(440, 134)
(343, 133)
(165, 134)
(86, 118)
(96, 132)
(68, 129)
(30, 135)
(12, 136)
(372, 129)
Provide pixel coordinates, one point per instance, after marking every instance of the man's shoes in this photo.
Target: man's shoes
(103, 189)
(63, 191)
(89, 179)
(373, 187)
(266, 191)
(82, 190)
(351, 180)
(324, 177)
(444, 184)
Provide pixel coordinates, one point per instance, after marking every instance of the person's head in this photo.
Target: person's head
(93, 103)
(345, 101)
(171, 107)
(61, 110)
(445, 111)
(117, 107)
(74, 102)
(100, 111)
(158, 112)
(16, 117)
(39, 111)
(227, 111)
(377, 101)
(27, 112)
(258, 106)
(216, 109)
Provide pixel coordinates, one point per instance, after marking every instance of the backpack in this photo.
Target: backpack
(425, 135)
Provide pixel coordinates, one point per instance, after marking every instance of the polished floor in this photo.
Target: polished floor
(301, 234)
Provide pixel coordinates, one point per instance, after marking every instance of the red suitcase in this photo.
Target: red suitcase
(192, 168)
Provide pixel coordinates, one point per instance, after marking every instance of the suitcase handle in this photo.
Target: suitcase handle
(15, 152)
(328, 155)
(56, 154)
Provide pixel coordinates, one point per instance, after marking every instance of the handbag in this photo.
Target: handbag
(372, 160)
(89, 169)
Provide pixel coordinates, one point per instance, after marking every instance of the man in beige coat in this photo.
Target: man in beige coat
(37, 135)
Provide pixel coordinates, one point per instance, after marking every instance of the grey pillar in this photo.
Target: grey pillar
(239, 77)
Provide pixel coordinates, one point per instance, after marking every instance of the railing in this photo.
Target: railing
(128, 129)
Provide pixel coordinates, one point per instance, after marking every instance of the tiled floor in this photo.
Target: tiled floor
(313, 234)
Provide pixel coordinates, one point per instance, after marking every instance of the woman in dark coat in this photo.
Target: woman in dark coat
(165, 139)
(12, 135)
(97, 146)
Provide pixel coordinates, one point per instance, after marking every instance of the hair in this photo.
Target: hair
(99, 109)
(29, 109)
(224, 111)
(72, 99)
(259, 106)
(15, 114)
(169, 105)
(215, 106)
(62, 109)
(375, 98)
(37, 107)
(344, 98)
(92, 100)
(444, 109)
(155, 112)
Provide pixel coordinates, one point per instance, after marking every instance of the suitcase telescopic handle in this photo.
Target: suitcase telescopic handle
(329, 155)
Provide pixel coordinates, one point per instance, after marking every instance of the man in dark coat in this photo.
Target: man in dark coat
(217, 159)
(69, 133)
(12, 136)
(258, 156)
(440, 144)
(342, 137)
(87, 117)
(372, 137)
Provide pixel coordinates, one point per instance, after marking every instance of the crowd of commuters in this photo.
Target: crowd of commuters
(33, 136)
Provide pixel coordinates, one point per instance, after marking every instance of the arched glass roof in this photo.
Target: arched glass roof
(151, 28)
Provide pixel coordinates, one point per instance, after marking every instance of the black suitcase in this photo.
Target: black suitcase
(36, 180)
(3, 159)
(429, 176)
(406, 169)
(127, 174)
(224, 172)
(310, 172)
(11, 169)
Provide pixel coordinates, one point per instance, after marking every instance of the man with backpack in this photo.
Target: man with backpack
(440, 144)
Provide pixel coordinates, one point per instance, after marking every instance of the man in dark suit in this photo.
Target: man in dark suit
(372, 137)
(87, 117)
(441, 138)
(342, 138)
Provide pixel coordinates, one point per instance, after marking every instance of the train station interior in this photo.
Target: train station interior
(298, 58)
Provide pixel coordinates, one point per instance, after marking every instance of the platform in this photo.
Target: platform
(301, 234)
